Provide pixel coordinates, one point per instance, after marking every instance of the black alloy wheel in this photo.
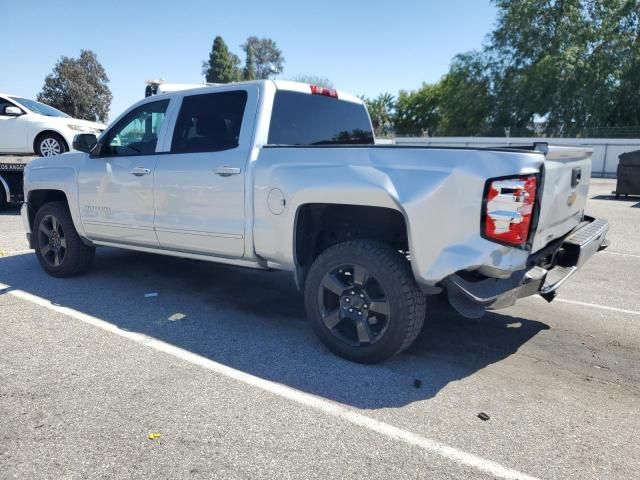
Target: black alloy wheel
(52, 241)
(363, 301)
(353, 305)
(60, 250)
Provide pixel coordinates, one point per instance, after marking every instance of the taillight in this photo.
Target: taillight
(327, 92)
(509, 209)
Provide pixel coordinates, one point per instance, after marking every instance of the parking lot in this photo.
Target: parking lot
(222, 365)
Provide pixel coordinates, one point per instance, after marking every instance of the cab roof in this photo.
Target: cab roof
(279, 84)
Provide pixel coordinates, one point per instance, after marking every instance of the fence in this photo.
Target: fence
(605, 150)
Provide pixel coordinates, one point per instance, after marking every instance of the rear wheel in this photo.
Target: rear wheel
(363, 301)
(49, 144)
(59, 249)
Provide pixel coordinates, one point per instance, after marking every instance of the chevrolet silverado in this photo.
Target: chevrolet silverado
(287, 176)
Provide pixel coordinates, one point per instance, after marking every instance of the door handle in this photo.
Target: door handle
(140, 171)
(227, 171)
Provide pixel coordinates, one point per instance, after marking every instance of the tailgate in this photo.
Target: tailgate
(565, 186)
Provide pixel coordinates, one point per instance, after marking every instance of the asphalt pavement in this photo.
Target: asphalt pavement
(217, 374)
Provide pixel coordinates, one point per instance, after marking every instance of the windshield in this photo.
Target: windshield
(38, 107)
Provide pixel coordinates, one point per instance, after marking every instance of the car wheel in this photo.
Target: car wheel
(60, 251)
(363, 301)
(50, 144)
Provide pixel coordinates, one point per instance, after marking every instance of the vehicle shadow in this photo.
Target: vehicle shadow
(623, 198)
(11, 210)
(255, 322)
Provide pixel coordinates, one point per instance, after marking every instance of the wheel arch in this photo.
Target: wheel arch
(318, 226)
(35, 199)
(37, 137)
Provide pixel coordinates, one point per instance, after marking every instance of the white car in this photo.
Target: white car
(27, 127)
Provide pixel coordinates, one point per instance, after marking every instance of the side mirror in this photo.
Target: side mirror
(11, 111)
(84, 142)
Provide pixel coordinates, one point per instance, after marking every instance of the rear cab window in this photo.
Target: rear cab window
(305, 119)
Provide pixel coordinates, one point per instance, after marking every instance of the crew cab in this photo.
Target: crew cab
(278, 175)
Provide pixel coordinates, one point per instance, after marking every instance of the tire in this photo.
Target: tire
(49, 144)
(363, 302)
(60, 251)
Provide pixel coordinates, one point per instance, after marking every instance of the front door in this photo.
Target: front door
(116, 182)
(199, 186)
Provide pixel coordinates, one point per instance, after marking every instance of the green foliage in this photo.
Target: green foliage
(268, 57)
(313, 80)
(78, 87)
(223, 65)
(552, 67)
(381, 111)
(249, 72)
(464, 97)
(572, 62)
(417, 112)
(263, 58)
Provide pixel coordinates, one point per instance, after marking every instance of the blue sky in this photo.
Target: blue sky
(364, 47)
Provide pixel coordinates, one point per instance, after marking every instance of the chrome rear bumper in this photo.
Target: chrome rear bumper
(471, 297)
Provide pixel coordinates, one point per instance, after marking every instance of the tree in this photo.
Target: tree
(222, 65)
(249, 72)
(573, 63)
(313, 80)
(465, 101)
(418, 111)
(551, 67)
(381, 112)
(268, 57)
(78, 87)
(540, 52)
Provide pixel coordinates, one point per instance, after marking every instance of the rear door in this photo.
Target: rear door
(566, 176)
(199, 186)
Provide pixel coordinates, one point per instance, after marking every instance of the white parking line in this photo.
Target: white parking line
(335, 410)
(621, 254)
(15, 252)
(595, 305)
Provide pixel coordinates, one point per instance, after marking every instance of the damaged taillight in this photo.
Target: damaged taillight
(508, 209)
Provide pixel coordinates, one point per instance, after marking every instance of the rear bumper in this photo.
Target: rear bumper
(471, 297)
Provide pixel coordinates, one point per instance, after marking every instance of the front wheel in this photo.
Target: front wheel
(363, 301)
(49, 144)
(60, 251)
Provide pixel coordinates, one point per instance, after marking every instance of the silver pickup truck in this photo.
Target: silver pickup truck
(287, 176)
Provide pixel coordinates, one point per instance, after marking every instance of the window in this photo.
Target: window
(4, 103)
(209, 122)
(137, 132)
(305, 119)
(39, 108)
